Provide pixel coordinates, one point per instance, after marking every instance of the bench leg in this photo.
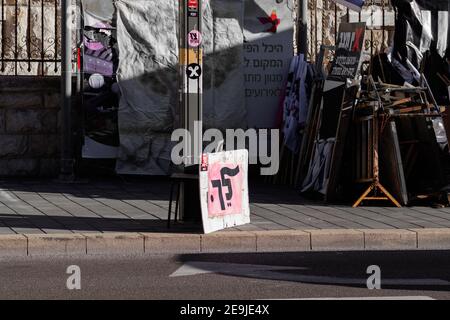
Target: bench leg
(177, 204)
(169, 215)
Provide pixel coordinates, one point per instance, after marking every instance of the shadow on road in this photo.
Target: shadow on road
(415, 270)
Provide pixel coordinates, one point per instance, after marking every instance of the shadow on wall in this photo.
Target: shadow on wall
(148, 77)
(147, 120)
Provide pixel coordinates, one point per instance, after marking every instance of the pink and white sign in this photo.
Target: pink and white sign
(194, 38)
(224, 190)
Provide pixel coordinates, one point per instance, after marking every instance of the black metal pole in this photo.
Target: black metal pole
(191, 79)
(302, 38)
(67, 160)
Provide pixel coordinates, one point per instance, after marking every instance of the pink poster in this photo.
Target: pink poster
(225, 183)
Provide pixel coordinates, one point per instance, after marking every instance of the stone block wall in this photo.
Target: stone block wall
(325, 16)
(29, 126)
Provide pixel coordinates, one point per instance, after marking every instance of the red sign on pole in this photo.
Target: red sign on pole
(193, 4)
(192, 8)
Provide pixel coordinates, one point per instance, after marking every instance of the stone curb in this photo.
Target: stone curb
(13, 245)
(160, 243)
(39, 244)
(433, 239)
(337, 240)
(224, 242)
(228, 241)
(289, 240)
(114, 243)
(395, 239)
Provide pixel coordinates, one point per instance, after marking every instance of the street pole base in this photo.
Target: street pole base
(67, 173)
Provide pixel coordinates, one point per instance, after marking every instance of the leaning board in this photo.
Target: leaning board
(224, 190)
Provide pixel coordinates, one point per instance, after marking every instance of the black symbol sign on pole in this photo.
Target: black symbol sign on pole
(194, 71)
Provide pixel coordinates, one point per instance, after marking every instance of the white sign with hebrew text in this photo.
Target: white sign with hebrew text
(224, 190)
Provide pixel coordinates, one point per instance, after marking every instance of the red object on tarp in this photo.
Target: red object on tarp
(273, 19)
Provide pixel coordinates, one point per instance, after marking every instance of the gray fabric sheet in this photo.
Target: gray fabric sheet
(102, 10)
(148, 77)
(224, 99)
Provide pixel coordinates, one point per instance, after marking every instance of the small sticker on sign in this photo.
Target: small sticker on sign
(194, 38)
(193, 13)
(194, 71)
(204, 166)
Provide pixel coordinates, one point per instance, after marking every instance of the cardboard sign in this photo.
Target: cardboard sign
(349, 49)
(224, 190)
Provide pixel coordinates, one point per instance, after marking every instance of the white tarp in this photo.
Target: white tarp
(223, 97)
(147, 76)
(268, 50)
(147, 35)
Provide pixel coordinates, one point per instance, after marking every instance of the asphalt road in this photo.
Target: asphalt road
(417, 275)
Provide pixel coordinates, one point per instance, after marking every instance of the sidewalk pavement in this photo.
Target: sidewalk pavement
(129, 217)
